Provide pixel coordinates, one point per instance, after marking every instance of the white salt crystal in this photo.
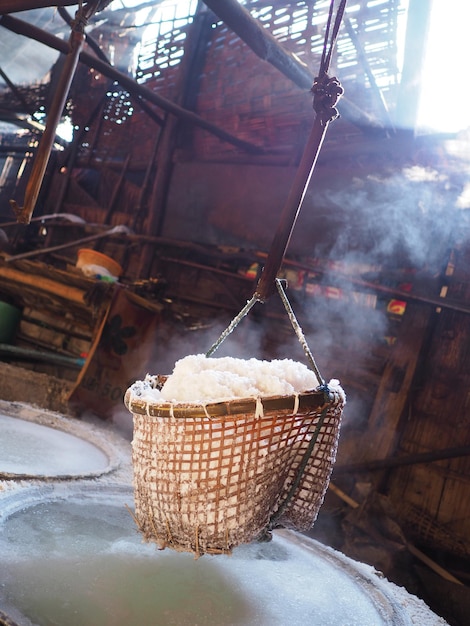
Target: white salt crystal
(197, 379)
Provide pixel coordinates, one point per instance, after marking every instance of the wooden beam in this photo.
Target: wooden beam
(443, 573)
(261, 41)
(399, 461)
(362, 58)
(43, 284)
(14, 6)
(189, 65)
(54, 114)
(347, 281)
(17, 93)
(266, 47)
(135, 89)
(395, 388)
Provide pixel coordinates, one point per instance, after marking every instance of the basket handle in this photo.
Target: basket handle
(299, 332)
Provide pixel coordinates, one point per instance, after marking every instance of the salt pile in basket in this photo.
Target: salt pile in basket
(197, 379)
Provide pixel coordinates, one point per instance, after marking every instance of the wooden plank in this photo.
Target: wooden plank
(49, 286)
(395, 387)
(122, 351)
(67, 294)
(438, 492)
(48, 339)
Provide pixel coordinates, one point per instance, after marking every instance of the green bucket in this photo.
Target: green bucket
(9, 319)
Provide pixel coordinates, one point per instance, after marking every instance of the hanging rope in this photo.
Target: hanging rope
(262, 490)
(274, 519)
(326, 54)
(326, 92)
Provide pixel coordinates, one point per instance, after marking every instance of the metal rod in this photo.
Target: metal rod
(70, 244)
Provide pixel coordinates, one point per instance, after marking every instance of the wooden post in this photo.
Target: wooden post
(167, 141)
(395, 387)
(75, 44)
(133, 87)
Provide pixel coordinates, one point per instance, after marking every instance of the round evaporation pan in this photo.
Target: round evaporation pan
(34, 450)
(79, 560)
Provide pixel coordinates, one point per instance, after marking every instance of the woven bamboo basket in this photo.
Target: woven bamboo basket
(208, 478)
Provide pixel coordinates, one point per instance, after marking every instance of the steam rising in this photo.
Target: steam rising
(392, 229)
(404, 219)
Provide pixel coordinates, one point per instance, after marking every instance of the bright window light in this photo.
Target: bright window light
(445, 90)
(65, 129)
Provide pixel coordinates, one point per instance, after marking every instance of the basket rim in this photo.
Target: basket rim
(296, 403)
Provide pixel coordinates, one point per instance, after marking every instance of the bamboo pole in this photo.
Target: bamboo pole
(291, 210)
(326, 93)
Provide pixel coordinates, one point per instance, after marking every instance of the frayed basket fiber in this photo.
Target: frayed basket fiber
(208, 478)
